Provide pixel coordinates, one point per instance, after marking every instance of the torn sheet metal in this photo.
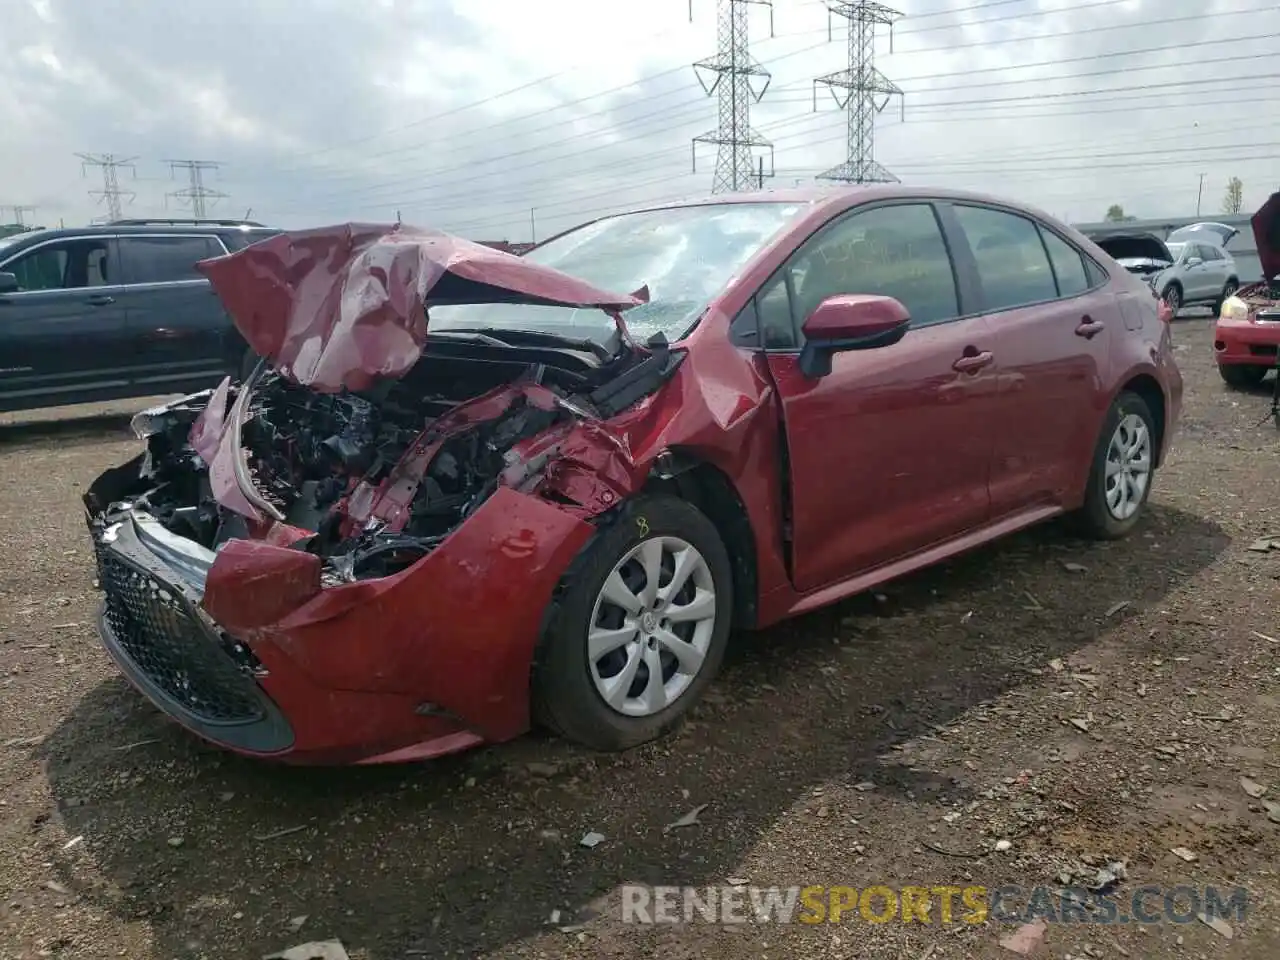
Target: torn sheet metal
(341, 306)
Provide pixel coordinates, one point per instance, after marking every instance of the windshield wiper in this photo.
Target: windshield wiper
(511, 337)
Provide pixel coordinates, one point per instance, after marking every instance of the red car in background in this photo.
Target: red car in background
(465, 490)
(1247, 334)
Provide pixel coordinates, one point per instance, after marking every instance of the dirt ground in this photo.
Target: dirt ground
(1007, 696)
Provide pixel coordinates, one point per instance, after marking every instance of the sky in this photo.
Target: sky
(506, 119)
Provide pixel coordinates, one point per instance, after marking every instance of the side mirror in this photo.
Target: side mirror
(850, 321)
(1194, 261)
(8, 283)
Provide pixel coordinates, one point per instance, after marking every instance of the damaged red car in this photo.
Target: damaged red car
(1246, 336)
(465, 492)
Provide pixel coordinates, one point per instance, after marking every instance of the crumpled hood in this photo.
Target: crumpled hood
(1266, 234)
(1135, 246)
(337, 307)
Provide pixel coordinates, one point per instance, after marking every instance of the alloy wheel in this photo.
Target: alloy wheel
(1173, 297)
(1128, 466)
(651, 626)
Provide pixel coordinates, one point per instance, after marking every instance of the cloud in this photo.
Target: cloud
(471, 115)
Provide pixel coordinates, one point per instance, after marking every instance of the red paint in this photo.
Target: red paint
(1266, 234)
(900, 457)
(337, 307)
(1244, 341)
(457, 629)
(852, 316)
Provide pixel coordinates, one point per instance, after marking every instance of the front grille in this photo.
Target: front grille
(163, 637)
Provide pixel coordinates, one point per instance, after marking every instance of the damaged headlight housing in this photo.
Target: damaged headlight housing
(147, 423)
(1233, 308)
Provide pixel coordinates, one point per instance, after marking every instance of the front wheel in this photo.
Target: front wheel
(1122, 471)
(1228, 290)
(1173, 297)
(640, 629)
(1242, 375)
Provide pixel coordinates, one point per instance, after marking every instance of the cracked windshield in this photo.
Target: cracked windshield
(685, 255)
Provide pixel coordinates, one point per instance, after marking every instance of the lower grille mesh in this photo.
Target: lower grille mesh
(160, 634)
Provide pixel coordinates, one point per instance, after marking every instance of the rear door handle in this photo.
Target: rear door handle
(1089, 328)
(100, 300)
(973, 362)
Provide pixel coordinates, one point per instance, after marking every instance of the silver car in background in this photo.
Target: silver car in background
(1191, 268)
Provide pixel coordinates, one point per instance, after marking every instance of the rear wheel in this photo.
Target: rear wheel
(1242, 374)
(640, 630)
(1122, 471)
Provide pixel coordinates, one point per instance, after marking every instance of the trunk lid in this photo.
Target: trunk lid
(1219, 234)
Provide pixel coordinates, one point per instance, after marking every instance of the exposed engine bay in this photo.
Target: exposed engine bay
(318, 458)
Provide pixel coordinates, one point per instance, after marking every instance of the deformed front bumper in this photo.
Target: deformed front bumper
(434, 659)
(169, 648)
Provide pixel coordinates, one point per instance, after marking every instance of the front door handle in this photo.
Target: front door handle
(100, 300)
(1089, 328)
(973, 362)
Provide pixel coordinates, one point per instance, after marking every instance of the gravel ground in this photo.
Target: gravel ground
(1007, 696)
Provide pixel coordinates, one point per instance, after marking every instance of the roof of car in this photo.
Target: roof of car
(126, 227)
(838, 194)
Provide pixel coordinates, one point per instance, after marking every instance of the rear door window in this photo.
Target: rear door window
(1013, 266)
(165, 259)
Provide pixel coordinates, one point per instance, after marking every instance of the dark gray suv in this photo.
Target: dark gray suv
(115, 310)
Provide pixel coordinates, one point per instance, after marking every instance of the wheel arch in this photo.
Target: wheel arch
(684, 474)
(1145, 385)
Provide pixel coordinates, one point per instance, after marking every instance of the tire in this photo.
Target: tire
(1096, 519)
(1173, 297)
(1242, 375)
(1230, 287)
(566, 693)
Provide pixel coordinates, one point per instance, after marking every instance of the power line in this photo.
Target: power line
(649, 78)
(862, 84)
(197, 193)
(733, 68)
(1051, 150)
(966, 166)
(402, 198)
(470, 167)
(110, 191)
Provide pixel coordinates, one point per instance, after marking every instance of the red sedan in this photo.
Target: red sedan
(1246, 336)
(466, 491)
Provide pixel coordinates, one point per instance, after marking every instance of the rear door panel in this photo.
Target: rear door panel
(1053, 319)
(176, 323)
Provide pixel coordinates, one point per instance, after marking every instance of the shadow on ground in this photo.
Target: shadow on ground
(472, 853)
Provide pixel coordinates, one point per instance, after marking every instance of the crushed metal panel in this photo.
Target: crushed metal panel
(339, 307)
